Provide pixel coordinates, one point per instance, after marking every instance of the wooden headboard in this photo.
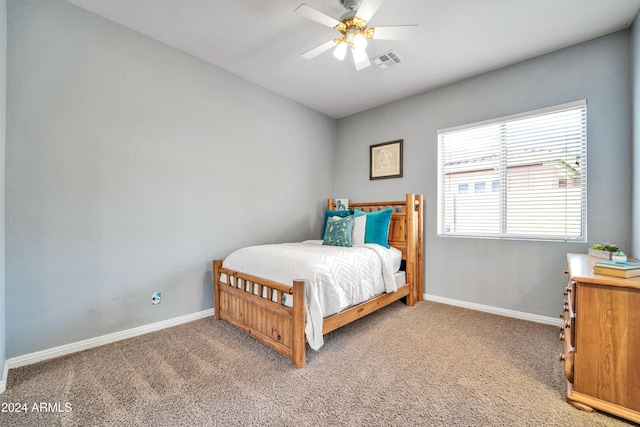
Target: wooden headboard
(405, 232)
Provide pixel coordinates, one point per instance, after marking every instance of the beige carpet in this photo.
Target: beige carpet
(431, 365)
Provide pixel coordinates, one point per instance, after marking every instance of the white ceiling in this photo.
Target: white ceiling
(261, 41)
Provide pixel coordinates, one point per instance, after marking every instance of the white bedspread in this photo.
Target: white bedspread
(335, 277)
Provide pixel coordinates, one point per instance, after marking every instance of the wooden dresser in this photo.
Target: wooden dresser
(601, 333)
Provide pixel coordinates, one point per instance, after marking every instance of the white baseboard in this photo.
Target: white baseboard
(495, 310)
(5, 374)
(63, 350)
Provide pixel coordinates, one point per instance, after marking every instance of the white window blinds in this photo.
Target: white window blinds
(520, 177)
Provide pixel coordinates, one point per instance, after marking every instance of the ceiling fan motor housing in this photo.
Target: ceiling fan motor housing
(351, 5)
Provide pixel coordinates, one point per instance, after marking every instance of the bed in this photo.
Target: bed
(284, 315)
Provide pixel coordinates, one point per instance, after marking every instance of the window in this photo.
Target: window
(536, 164)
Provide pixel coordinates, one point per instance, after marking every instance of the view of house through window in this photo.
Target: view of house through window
(522, 176)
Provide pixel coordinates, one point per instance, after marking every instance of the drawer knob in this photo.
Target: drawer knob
(562, 357)
(567, 324)
(561, 336)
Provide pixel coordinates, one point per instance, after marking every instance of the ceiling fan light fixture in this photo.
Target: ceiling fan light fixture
(359, 41)
(340, 51)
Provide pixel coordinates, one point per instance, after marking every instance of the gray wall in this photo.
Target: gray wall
(635, 81)
(130, 166)
(3, 110)
(524, 276)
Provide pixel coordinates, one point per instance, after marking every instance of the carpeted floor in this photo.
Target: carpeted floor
(430, 365)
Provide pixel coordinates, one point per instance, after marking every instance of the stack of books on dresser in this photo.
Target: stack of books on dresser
(618, 269)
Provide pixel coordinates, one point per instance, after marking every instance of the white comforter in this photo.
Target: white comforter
(335, 277)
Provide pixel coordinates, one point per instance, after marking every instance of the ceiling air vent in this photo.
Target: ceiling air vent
(386, 60)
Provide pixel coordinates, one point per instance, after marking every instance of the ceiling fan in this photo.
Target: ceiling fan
(355, 32)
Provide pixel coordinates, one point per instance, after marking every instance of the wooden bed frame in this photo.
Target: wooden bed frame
(267, 319)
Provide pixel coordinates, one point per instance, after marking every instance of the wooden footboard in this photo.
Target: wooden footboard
(255, 306)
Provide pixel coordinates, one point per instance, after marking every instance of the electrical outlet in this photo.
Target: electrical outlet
(155, 298)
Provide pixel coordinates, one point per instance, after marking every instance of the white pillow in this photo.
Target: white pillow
(359, 226)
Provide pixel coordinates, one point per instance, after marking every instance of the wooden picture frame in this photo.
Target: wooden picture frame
(385, 160)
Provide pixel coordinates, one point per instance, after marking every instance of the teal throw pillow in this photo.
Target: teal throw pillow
(338, 231)
(328, 214)
(377, 228)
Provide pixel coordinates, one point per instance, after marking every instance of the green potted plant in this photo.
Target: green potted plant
(603, 250)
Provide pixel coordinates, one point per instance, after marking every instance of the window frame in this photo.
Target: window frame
(503, 186)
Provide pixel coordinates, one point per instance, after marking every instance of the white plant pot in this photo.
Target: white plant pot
(619, 258)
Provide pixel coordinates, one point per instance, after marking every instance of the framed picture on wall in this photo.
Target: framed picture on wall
(385, 160)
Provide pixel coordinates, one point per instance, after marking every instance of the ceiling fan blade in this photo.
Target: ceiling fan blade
(368, 8)
(318, 50)
(360, 58)
(399, 32)
(315, 15)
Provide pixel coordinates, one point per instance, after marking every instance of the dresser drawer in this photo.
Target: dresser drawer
(568, 351)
